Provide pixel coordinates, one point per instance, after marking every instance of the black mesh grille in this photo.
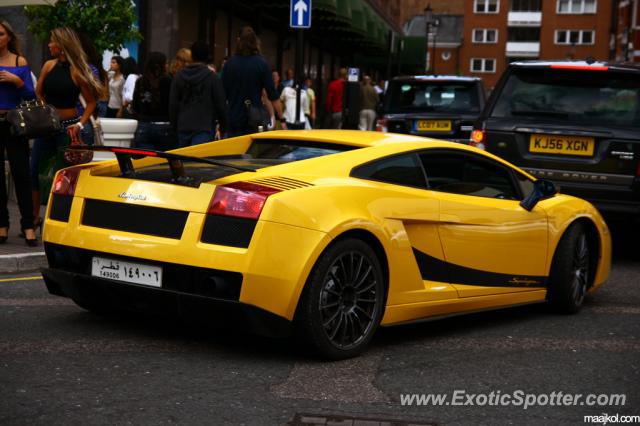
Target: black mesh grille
(182, 278)
(228, 231)
(60, 207)
(132, 218)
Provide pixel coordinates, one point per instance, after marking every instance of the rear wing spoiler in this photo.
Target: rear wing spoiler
(125, 157)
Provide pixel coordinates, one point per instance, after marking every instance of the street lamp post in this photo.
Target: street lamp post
(428, 19)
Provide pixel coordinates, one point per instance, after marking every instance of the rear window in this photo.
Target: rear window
(287, 150)
(588, 97)
(431, 95)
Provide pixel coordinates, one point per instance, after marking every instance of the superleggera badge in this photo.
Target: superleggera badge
(134, 197)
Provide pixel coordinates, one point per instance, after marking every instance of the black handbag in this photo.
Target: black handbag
(34, 119)
(258, 118)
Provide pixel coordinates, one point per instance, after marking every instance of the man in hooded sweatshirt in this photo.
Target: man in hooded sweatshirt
(197, 101)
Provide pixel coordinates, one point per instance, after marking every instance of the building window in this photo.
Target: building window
(483, 65)
(526, 5)
(575, 36)
(577, 6)
(485, 35)
(523, 34)
(486, 6)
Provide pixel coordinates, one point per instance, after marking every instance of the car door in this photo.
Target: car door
(491, 245)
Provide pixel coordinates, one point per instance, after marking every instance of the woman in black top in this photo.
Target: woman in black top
(61, 82)
(15, 85)
(151, 106)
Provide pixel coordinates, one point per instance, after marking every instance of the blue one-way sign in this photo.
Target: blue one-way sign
(300, 14)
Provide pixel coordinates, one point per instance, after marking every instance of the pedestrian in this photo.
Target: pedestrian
(151, 106)
(116, 84)
(289, 99)
(245, 76)
(289, 82)
(15, 85)
(310, 110)
(95, 63)
(131, 75)
(275, 75)
(182, 59)
(368, 103)
(334, 100)
(197, 100)
(61, 82)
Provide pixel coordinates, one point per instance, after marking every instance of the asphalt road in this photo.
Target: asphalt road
(62, 365)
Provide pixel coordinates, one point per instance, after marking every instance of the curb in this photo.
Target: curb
(26, 262)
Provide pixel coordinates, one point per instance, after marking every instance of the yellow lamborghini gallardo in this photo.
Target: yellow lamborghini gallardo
(326, 234)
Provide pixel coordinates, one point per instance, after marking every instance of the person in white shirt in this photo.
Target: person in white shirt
(116, 83)
(288, 97)
(130, 70)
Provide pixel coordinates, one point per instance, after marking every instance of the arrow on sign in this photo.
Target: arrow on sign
(300, 8)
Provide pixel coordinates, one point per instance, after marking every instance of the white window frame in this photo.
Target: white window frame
(484, 65)
(485, 31)
(580, 37)
(486, 4)
(582, 5)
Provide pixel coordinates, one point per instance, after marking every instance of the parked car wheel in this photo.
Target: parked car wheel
(570, 272)
(342, 303)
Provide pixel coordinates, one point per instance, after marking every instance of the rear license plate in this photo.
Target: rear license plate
(433, 125)
(565, 145)
(118, 270)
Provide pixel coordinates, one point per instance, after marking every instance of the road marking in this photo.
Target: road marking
(334, 381)
(8, 280)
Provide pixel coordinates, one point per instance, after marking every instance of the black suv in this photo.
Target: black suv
(443, 107)
(576, 123)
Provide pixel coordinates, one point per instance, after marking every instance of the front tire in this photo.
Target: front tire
(571, 271)
(343, 300)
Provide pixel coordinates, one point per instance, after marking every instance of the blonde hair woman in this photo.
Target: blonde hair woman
(182, 59)
(62, 80)
(15, 85)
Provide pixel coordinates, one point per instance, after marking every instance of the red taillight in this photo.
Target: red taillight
(477, 138)
(381, 125)
(240, 199)
(66, 181)
(134, 151)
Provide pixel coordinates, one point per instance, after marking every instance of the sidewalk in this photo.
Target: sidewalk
(15, 255)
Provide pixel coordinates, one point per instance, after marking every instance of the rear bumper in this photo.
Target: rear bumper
(138, 298)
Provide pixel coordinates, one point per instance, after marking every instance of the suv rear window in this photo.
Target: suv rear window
(593, 97)
(432, 95)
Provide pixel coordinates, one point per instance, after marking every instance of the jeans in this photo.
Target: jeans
(160, 137)
(45, 147)
(194, 138)
(18, 156)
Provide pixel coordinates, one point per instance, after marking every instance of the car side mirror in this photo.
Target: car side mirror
(542, 189)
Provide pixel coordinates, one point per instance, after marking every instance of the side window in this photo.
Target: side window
(401, 170)
(462, 174)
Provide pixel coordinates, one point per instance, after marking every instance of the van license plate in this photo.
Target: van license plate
(433, 125)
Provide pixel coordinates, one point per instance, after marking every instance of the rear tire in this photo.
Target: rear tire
(343, 300)
(571, 271)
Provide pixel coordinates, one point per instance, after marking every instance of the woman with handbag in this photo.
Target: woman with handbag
(15, 85)
(62, 80)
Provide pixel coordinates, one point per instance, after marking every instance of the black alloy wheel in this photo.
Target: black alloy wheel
(571, 272)
(342, 304)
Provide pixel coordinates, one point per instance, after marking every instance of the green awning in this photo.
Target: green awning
(343, 9)
(325, 5)
(357, 16)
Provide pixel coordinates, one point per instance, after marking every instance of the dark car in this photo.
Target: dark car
(576, 123)
(442, 106)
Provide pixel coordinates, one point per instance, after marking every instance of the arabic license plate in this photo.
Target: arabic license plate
(433, 125)
(118, 270)
(565, 145)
